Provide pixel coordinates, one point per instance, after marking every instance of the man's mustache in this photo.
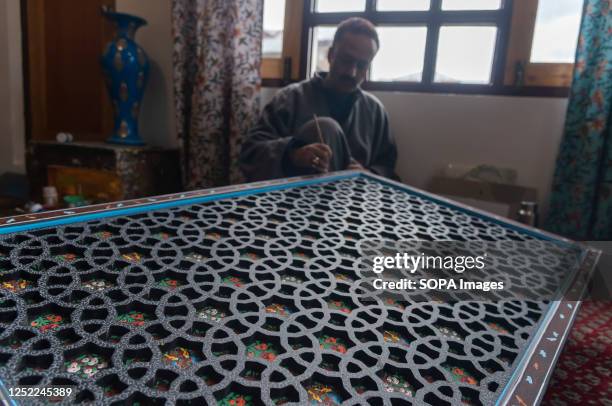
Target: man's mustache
(349, 79)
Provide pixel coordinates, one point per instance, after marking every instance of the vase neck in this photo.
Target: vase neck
(125, 24)
(126, 30)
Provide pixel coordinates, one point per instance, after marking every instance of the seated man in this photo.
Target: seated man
(326, 123)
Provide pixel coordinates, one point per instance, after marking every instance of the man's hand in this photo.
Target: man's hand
(315, 156)
(355, 166)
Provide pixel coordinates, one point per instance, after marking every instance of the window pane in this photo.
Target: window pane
(339, 6)
(322, 40)
(556, 31)
(401, 55)
(465, 54)
(471, 4)
(402, 5)
(274, 24)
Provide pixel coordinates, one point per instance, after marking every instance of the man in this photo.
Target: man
(326, 123)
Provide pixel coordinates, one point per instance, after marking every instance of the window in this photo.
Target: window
(543, 42)
(274, 25)
(475, 46)
(556, 31)
(465, 54)
(280, 46)
(423, 42)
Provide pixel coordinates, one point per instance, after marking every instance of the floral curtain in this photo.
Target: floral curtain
(217, 57)
(581, 203)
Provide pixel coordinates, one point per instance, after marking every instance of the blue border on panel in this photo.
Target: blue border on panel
(128, 211)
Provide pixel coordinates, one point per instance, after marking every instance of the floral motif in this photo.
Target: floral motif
(103, 235)
(234, 280)
(97, 284)
(292, 279)
(395, 338)
(132, 257)
(210, 313)
(180, 358)
(394, 303)
(15, 285)
(47, 322)
(339, 305)
(235, 399)
(342, 277)
(301, 255)
(279, 310)
(449, 333)
(581, 200)
(497, 328)
(398, 384)
(169, 283)
(461, 375)
(213, 236)
(332, 343)
(319, 394)
(162, 236)
(86, 365)
(195, 257)
(206, 36)
(134, 318)
(259, 349)
(250, 256)
(69, 257)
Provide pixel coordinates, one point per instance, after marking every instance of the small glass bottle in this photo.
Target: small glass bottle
(528, 213)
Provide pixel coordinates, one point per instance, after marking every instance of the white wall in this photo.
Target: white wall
(157, 120)
(12, 127)
(433, 130)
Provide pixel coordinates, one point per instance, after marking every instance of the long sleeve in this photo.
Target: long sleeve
(384, 155)
(263, 150)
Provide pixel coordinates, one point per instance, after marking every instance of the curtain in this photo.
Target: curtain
(581, 201)
(217, 57)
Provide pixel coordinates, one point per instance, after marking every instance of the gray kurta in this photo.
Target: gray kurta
(366, 129)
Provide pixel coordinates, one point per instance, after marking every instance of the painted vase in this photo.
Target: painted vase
(126, 67)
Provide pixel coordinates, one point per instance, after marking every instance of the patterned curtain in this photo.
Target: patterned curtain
(581, 203)
(217, 57)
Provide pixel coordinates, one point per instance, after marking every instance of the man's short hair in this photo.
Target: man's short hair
(356, 25)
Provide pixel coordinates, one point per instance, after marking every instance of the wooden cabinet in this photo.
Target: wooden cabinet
(103, 172)
(65, 90)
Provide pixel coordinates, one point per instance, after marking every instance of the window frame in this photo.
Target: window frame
(277, 69)
(515, 21)
(524, 15)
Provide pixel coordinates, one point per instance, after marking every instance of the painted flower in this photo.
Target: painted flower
(104, 235)
(134, 318)
(132, 257)
(261, 350)
(69, 257)
(180, 358)
(234, 399)
(169, 283)
(15, 285)
(398, 384)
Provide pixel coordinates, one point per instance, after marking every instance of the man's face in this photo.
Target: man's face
(349, 61)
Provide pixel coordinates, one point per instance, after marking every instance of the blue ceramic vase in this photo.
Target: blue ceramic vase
(126, 67)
